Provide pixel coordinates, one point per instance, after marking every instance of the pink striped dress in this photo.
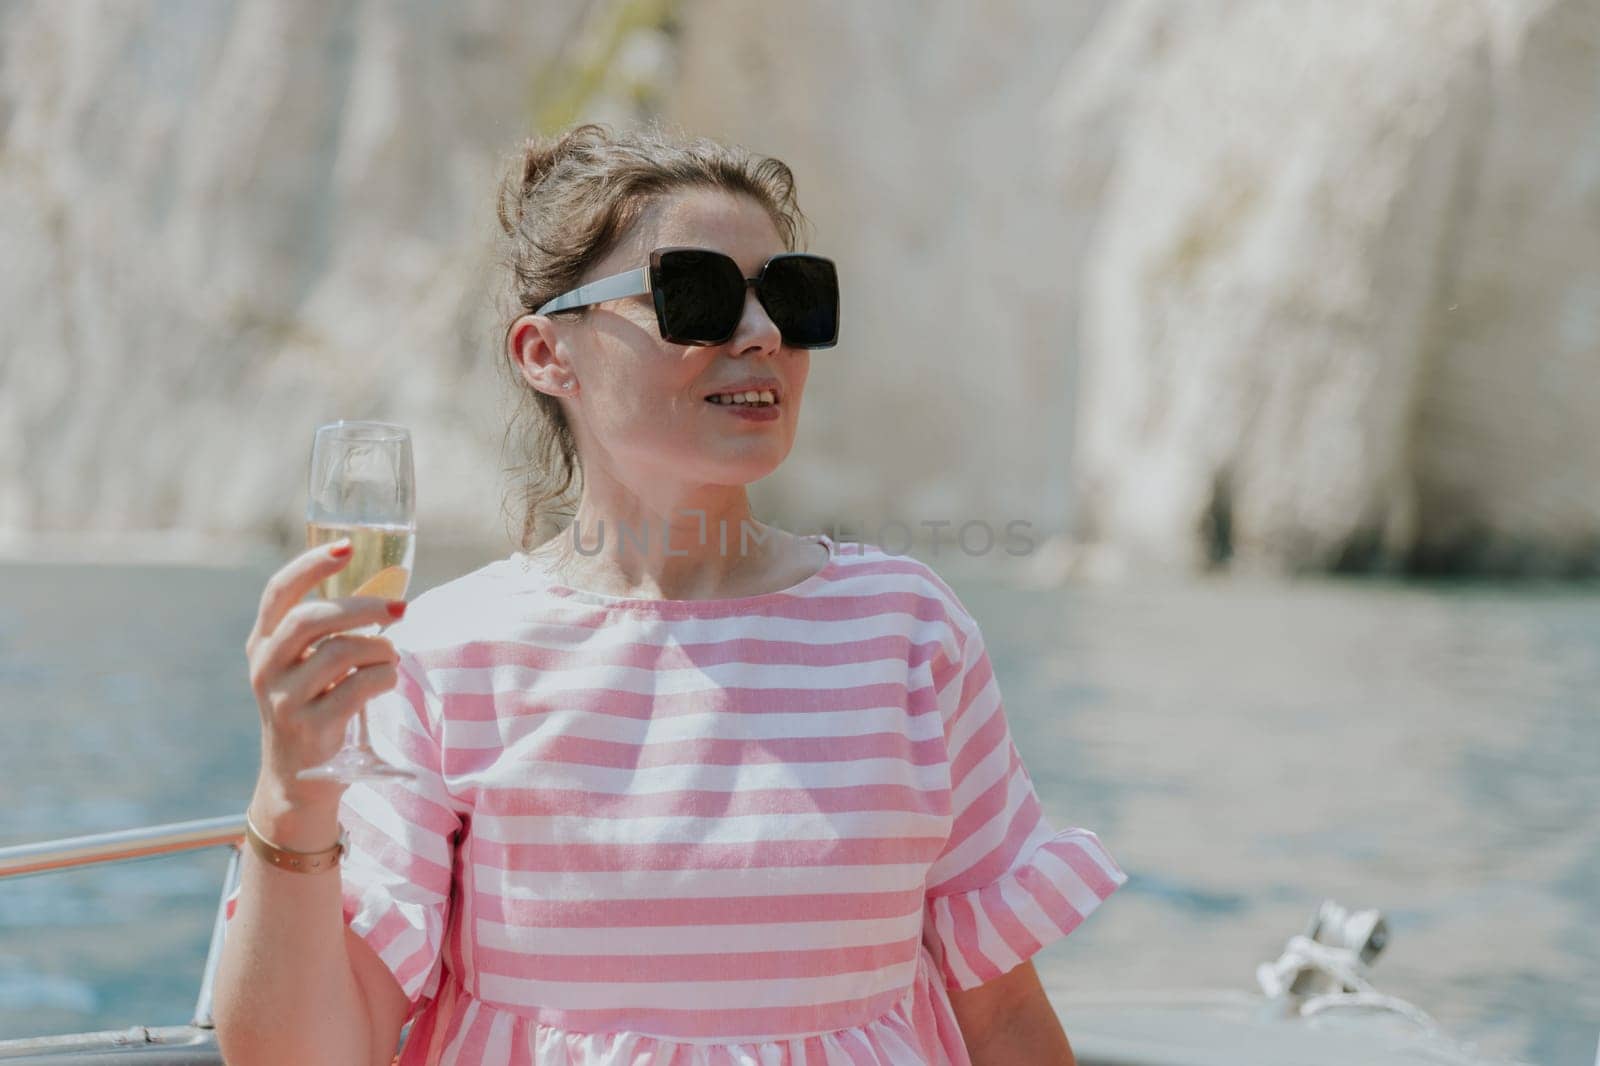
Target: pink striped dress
(760, 831)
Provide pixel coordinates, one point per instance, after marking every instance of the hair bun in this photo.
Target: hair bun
(540, 156)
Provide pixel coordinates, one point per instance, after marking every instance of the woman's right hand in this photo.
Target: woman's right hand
(306, 691)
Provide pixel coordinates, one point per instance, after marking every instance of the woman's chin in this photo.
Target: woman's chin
(749, 441)
(742, 468)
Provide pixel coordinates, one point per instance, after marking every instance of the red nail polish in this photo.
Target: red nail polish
(341, 550)
(397, 608)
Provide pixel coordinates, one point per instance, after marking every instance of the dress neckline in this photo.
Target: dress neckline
(542, 578)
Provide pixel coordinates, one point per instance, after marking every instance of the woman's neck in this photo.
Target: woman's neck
(659, 560)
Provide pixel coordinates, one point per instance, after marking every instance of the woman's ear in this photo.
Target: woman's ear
(536, 352)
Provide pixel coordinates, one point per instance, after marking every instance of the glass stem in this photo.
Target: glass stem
(362, 741)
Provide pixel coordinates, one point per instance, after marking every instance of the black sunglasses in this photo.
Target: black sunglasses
(699, 296)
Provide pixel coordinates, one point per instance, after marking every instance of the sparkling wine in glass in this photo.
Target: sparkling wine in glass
(362, 486)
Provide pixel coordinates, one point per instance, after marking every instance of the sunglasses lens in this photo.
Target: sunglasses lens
(700, 296)
(801, 294)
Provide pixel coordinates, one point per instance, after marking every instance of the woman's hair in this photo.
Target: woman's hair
(564, 203)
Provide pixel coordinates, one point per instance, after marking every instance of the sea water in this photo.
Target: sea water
(1244, 750)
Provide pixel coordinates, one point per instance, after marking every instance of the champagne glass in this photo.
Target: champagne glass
(362, 486)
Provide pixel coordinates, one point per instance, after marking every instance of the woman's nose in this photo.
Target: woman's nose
(756, 328)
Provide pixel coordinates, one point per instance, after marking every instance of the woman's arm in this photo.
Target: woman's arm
(289, 986)
(292, 985)
(1009, 1021)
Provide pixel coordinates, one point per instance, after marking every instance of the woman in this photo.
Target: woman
(702, 792)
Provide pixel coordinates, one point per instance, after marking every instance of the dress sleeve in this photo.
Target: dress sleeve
(1007, 882)
(397, 877)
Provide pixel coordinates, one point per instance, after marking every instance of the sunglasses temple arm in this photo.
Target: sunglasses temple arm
(628, 283)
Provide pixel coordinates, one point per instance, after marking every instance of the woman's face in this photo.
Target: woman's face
(638, 404)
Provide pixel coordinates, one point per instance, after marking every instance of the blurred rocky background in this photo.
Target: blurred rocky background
(1259, 284)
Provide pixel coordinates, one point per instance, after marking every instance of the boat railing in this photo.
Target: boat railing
(1324, 967)
(25, 860)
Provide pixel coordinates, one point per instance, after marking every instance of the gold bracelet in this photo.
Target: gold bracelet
(300, 862)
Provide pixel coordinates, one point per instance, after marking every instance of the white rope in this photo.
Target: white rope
(1341, 964)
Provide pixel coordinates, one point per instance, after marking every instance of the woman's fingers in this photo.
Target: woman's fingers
(332, 660)
(307, 672)
(297, 735)
(351, 694)
(290, 584)
(308, 623)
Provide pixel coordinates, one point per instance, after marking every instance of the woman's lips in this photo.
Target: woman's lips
(749, 413)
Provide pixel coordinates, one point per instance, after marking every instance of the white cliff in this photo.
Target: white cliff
(1290, 284)
(1341, 307)
(227, 223)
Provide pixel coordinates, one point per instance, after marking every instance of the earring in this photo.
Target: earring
(566, 384)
